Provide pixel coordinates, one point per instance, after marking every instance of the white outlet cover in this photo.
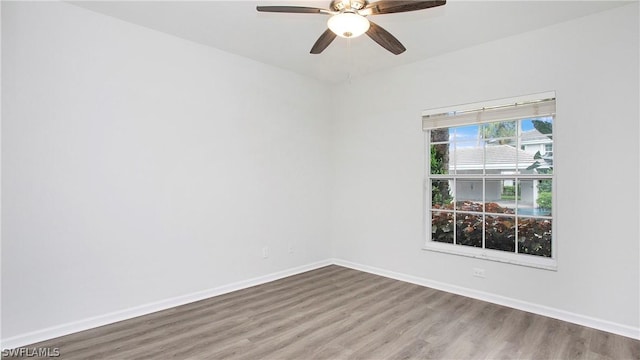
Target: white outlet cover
(477, 272)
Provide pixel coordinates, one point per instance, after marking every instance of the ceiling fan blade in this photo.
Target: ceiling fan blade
(323, 41)
(385, 39)
(390, 6)
(292, 9)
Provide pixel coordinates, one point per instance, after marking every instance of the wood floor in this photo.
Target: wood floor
(339, 313)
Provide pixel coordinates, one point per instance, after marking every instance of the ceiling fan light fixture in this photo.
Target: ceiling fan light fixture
(348, 25)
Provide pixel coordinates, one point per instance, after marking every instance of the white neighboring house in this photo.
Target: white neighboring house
(532, 141)
(500, 159)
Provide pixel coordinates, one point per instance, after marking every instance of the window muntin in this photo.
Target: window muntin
(489, 193)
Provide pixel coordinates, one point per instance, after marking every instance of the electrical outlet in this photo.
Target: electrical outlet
(479, 273)
(265, 252)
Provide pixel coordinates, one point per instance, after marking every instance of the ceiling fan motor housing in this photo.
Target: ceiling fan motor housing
(342, 5)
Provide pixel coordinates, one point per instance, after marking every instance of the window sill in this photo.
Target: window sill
(494, 255)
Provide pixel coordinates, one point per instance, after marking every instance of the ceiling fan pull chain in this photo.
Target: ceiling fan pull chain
(349, 61)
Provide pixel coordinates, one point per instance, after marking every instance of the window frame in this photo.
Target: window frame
(547, 263)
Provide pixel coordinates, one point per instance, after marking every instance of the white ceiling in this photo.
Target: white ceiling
(284, 40)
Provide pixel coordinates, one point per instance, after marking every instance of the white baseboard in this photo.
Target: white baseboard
(85, 324)
(599, 324)
(110, 318)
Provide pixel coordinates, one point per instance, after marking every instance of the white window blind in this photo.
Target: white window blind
(512, 111)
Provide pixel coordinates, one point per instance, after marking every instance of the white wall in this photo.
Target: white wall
(592, 64)
(138, 167)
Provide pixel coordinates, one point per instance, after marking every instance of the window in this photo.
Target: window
(548, 149)
(487, 194)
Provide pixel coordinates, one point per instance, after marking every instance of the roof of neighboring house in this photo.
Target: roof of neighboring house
(534, 136)
(497, 157)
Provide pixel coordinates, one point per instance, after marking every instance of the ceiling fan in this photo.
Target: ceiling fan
(348, 20)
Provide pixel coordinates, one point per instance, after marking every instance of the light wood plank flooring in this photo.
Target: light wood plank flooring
(339, 313)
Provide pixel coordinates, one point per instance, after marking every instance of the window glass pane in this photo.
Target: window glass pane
(536, 127)
(536, 140)
(469, 195)
(534, 236)
(442, 227)
(439, 158)
(500, 196)
(442, 194)
(468, 133)
(440, 135)
(468, 157)
(535, 197)
(493, 132)
(500, 233)
(469, 229)
(502, 156)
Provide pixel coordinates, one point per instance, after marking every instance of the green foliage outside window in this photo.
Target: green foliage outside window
(544, 200)
(499, 130)
(439, 164)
